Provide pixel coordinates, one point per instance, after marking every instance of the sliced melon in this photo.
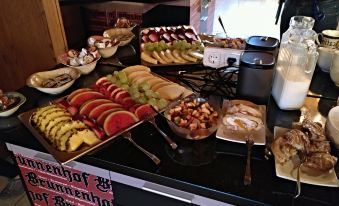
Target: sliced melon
(136, 68)
(138, 74)
(78, 91)
(95, 113)
(117, 121)
(102, 116)
(81, 98)
(155, 87)
(88, 106)
(171, 92)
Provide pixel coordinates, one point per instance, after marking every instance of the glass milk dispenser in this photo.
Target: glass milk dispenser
(296, 63)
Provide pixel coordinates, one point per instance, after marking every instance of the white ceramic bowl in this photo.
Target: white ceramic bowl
(124, 35)
(16, 107)
(84, 69)
(104, 52)
(332, 126)
(36, 79)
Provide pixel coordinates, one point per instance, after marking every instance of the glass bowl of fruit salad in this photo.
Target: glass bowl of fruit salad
(193, 118)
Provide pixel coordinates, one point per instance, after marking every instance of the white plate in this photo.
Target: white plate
(287, 171)
(240, 136)
(35, 80)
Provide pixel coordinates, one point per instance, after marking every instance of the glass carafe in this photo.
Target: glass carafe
(296, 63)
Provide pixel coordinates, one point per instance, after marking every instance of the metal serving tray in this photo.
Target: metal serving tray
(61, 156)
(64, 157)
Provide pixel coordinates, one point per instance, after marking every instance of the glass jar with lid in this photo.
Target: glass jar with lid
(295, 64)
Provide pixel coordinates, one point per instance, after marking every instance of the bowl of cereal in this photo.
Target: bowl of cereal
(193, 118)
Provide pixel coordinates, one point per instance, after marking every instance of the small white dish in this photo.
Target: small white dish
(332, 126)
(289, 172)
(124, 35)
(84, 69)
(10, 111)
(104, 52)
(35, 80)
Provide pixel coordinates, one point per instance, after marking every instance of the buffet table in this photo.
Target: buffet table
(205, 172)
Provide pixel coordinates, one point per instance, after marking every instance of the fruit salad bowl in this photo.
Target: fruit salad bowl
(193, 118)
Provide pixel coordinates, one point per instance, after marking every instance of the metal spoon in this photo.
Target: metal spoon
(248, 176)
(128, 136)
(269, 140)
(151, 120)
(222, 25)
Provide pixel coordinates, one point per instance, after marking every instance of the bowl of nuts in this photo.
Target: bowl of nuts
(193, 118)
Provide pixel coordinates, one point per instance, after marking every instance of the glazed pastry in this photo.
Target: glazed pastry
(317, 146)
(285, 147)
(318, 163)
(242, 122)
(314, 130)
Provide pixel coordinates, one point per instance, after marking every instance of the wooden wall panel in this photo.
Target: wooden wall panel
(25, 46)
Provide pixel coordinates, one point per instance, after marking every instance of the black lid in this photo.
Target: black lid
(257, 59)
(262, 43)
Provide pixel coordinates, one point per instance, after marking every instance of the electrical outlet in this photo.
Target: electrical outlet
(219, 57)
(214, 58)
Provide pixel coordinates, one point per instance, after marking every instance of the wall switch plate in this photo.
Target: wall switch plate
(218, 57)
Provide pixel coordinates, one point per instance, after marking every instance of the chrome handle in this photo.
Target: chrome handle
(248, 176)
(168, 192)
(151, 120)
(155, 159)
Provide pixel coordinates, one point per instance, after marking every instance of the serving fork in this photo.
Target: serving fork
(302, 157)
(248, 176)
(151, 119)
(128, 136)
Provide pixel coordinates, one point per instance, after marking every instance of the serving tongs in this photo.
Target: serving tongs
(128, 136)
